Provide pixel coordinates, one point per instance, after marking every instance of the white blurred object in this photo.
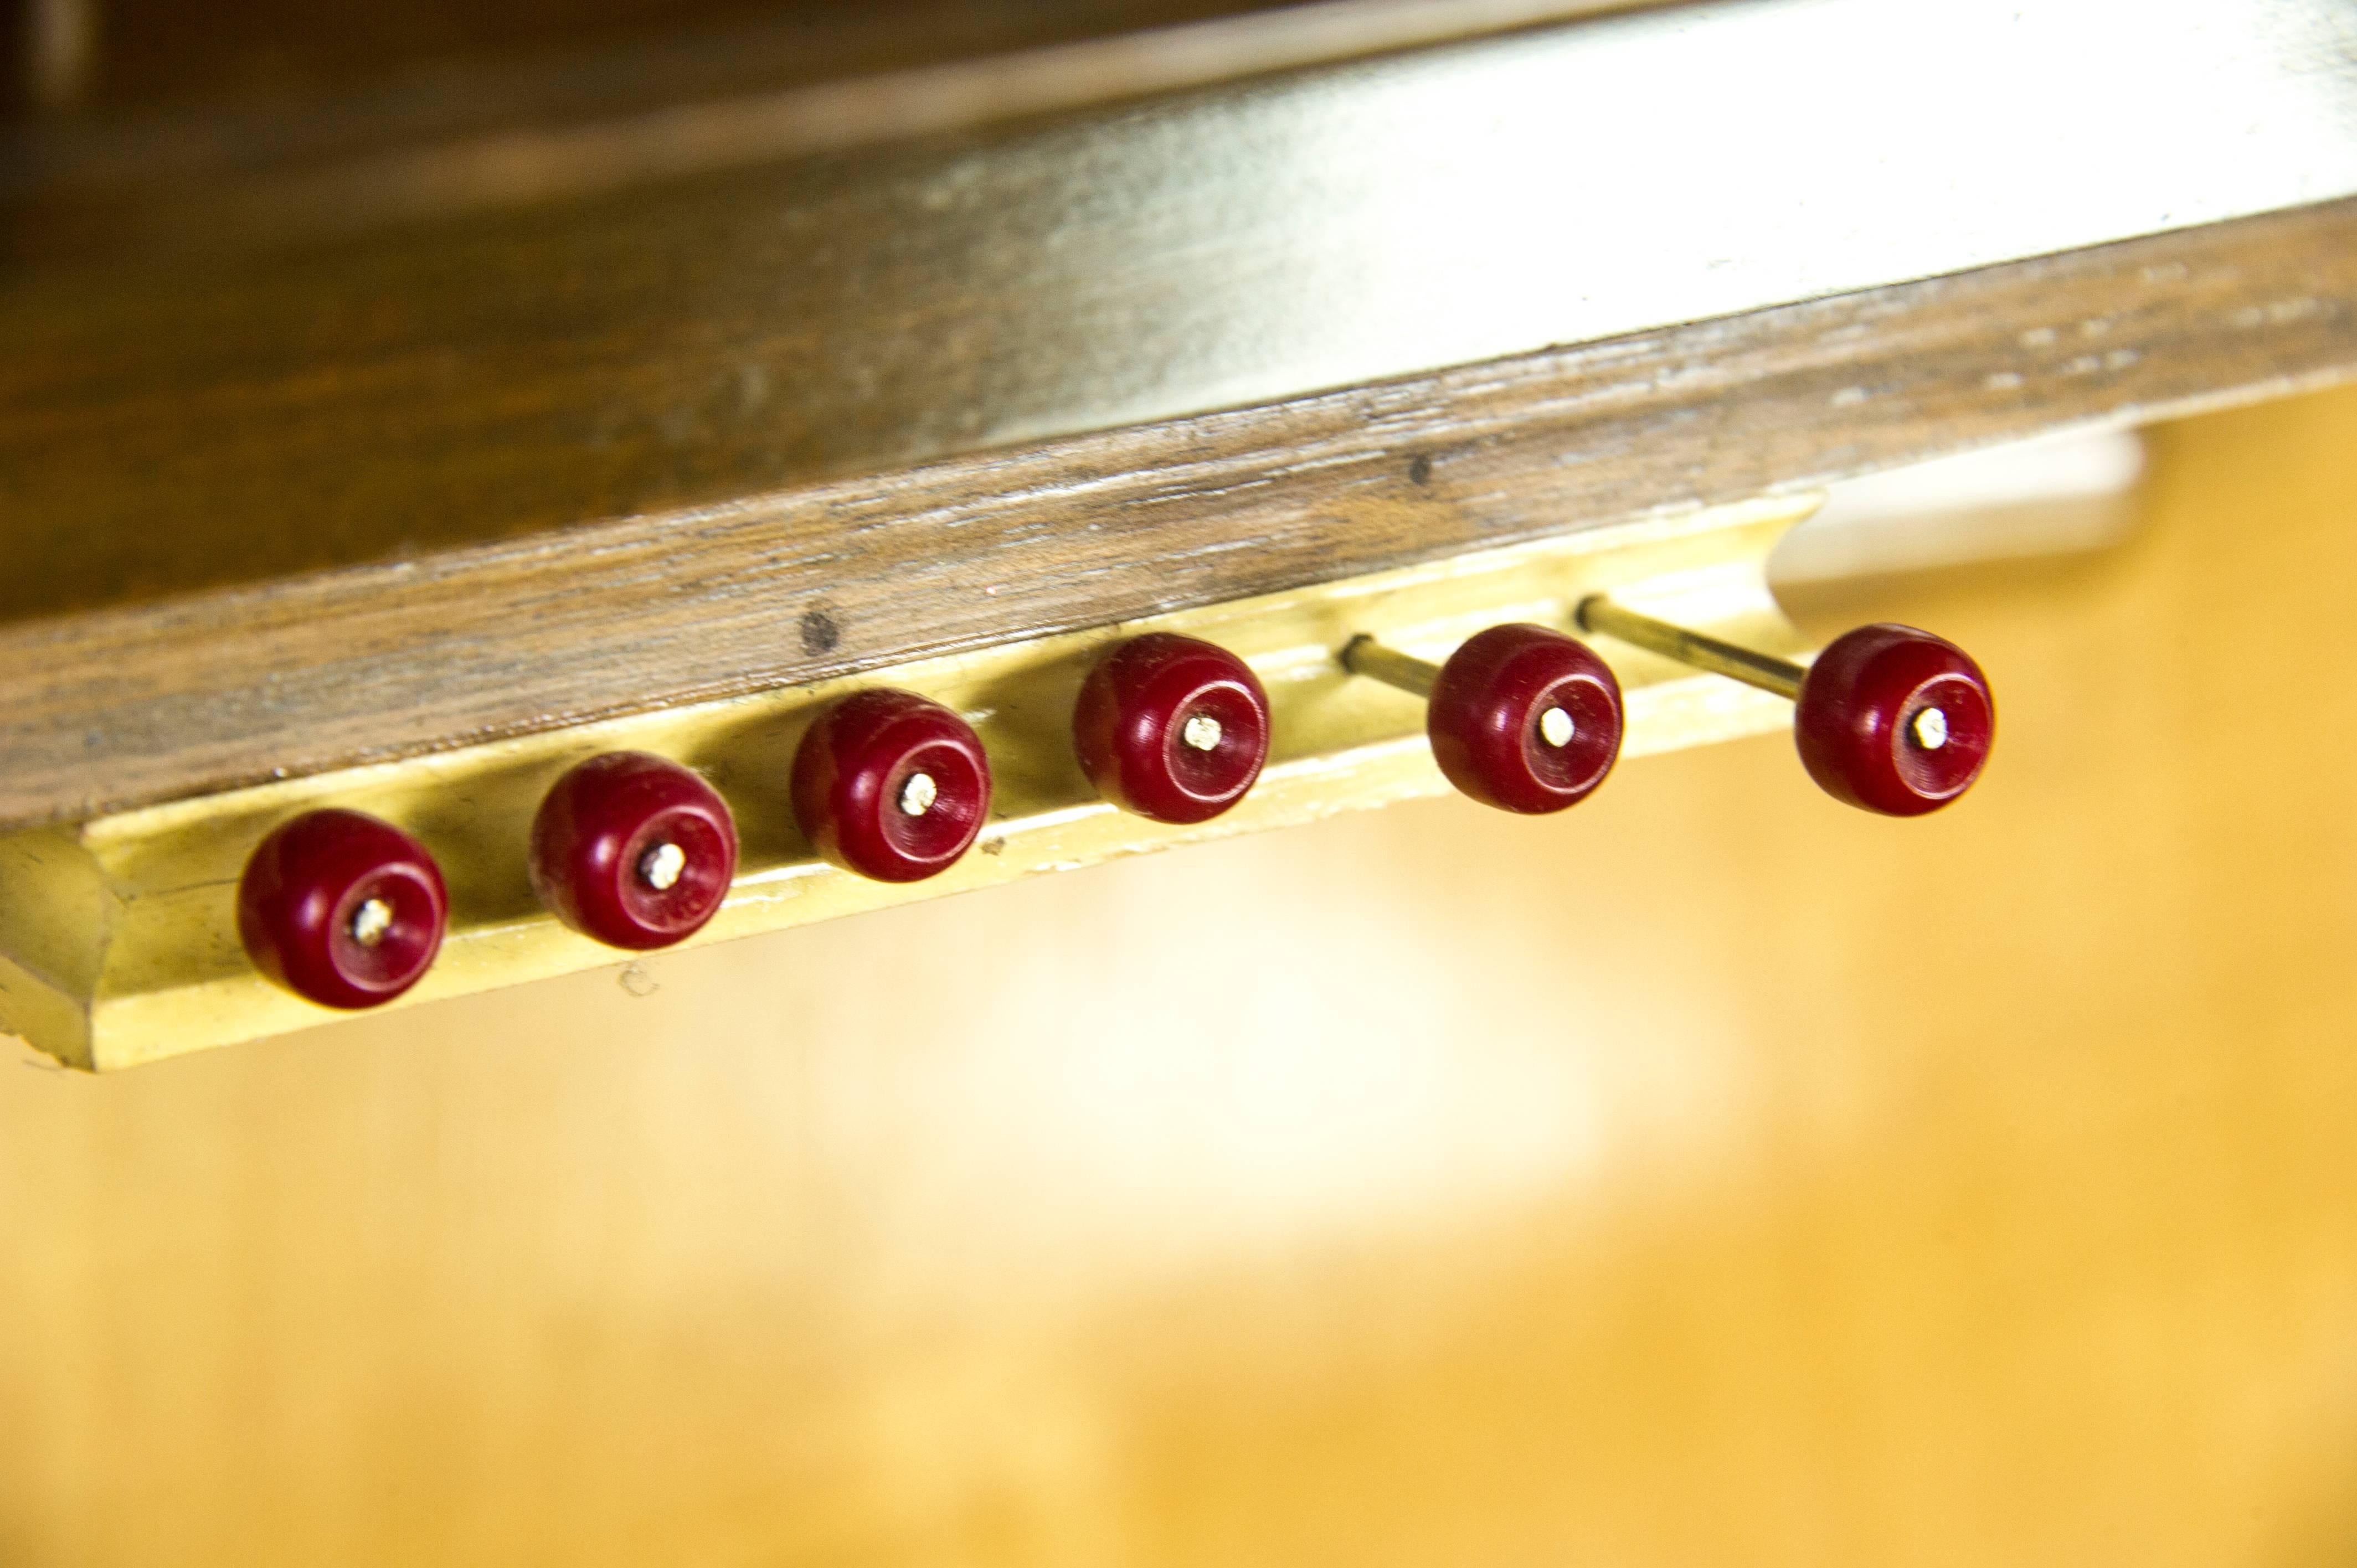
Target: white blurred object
(2055, 495)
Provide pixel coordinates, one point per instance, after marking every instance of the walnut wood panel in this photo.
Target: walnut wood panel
(143, 704)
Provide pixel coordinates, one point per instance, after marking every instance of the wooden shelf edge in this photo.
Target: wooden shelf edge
(123, 707)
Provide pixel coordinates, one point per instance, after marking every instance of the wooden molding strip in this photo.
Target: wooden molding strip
(128, 706)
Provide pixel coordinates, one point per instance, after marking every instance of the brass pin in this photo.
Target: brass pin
(1782, 676)
(1363, 655)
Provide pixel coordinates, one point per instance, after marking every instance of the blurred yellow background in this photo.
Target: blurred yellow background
(1714, 1174)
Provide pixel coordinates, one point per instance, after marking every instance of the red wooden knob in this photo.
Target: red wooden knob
(1525, 719)
(890, 786)
(1894, 720)
(341, 909)
(1171, 727)
(632, 850)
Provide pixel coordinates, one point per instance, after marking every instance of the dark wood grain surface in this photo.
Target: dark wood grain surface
(146, 703)
(488, 338)
(173, 93)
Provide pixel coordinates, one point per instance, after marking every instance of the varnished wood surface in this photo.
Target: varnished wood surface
(293, 92)
(1711, 1176)
(655, 313)
(142, 703)
(159, 53)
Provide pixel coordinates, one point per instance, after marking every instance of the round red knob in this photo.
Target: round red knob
(1894, 720)
(341, 909)
(1525, 719)
(1171, 727)
(890, 786)
(632, 850)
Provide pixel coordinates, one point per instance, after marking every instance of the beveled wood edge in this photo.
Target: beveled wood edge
(135, 706)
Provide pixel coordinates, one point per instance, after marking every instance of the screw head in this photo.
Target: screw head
(660, 866)
(918, 795)
(1200, 731)
(370, 921)
(1930, 729)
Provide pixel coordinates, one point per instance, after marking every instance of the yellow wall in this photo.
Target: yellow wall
(1713, 1175)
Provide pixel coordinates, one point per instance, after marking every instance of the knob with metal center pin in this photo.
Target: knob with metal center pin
(891, 785)
(1521, 717)
(1888, 718)
(1171, 727)
(634, 850)
(341, 909)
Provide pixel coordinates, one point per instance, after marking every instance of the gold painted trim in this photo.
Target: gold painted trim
(118, 940)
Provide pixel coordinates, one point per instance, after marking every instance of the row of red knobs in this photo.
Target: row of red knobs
(638, 853)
